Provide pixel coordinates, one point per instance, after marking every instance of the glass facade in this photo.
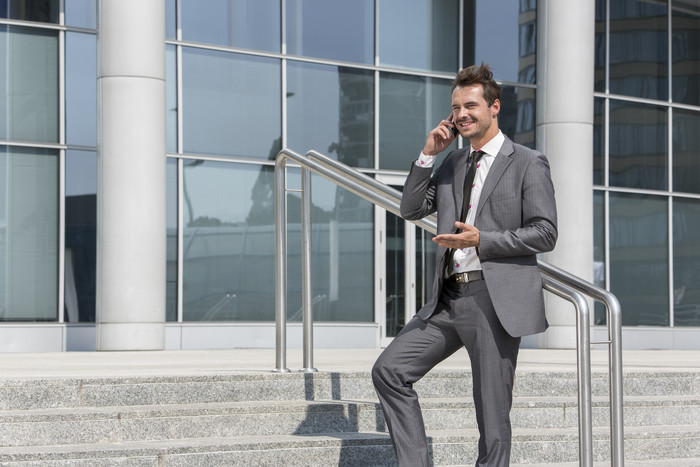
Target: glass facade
(246, 78)
(647, 159)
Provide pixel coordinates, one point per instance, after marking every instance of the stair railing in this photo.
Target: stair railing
(555, 280)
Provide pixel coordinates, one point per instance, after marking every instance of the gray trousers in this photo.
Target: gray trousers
(464, 317)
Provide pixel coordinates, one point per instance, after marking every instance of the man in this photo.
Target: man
(487, 291)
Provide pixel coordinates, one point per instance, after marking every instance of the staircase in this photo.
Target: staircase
(327, 419)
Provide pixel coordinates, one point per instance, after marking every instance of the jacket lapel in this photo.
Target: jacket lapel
(460, 173)
(500, 164)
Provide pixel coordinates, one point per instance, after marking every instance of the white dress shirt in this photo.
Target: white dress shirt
(466, 259)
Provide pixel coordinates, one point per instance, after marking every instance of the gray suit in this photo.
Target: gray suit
(516, 218)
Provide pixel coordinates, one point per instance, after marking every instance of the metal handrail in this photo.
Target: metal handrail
(555, 280)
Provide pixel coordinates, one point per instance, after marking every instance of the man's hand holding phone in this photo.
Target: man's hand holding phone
(440, 137)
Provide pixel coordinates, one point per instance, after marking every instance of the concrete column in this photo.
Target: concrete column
(565, 66)
(131, 176)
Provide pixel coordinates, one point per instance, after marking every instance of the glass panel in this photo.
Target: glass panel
(231, 104)
(81, 13)
(395, 275)
(686, 262)
(598, 141)
(171, 245)
(639, 49)
(45, 11)
(685, 52)
(331, 109)
(228, 244)
(343, 253)
(599, 251)
(419, 34)
(28, 234)
(235, 23)
(639, 257)
(81, 236)
(638, 146)
(81, 89)
(410, 106)
(331, 29)
(29, 79)
(170, 19)
(512, 52)
(171, 97)
(517, 116)
(686, 151)
(599, 53)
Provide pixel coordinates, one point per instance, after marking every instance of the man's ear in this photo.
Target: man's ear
(495, 108)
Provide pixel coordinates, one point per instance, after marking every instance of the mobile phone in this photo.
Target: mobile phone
(453, 129)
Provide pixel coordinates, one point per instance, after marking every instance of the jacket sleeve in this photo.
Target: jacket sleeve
(419, 193)
(533, 228)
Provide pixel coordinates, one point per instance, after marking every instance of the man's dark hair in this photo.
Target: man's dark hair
(482, 75)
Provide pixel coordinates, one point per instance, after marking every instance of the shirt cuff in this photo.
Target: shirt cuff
(425, 161)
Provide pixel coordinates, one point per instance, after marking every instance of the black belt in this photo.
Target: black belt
(468, 276)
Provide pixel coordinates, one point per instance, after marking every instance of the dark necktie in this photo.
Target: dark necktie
(473, 163)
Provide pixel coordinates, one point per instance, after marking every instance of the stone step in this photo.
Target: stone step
(544, 447)
(217, 420)
(25, 394)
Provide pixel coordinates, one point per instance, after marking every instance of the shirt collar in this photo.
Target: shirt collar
(493, 147)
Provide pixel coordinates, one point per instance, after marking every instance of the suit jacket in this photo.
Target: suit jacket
(516, 218)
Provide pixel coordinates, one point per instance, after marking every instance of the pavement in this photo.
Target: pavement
(208, 362)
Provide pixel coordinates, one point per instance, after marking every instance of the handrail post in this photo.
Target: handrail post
(583, 363)
(306, 275)
(615, 361)
(280, 266)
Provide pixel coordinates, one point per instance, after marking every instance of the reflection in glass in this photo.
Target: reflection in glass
(231, 104)
(686, 262)
(45, 11)
(234, 23)
(331, 109)
(228, 247)
(171, 97)
(28, 234)
(517, 116)
(599, 251)
(228, 242)
(419, 34)
(599, 47)
(81, 13)
(331, 29)
(171, 242)
(639, 49)
(638, 146)
(512, 51)
(685, 51)
(639, 257)
(81, 89)
(342, 254)
(170, 19)
(395, 275)
(81, 236)
(410, 106)
(29, 80)
(425, 267)
(598, 141)
(686, 151)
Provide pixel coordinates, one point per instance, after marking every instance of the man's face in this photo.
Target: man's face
(473, 117)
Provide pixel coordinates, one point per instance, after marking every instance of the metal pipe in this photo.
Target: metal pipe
(280, 265)
(583, 364)
(306, 274)
(389, 199)
(614, 314)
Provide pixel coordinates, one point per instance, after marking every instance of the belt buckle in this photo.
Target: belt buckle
(461, 277)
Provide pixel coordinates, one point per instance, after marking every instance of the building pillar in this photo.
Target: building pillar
(131, 186)
(565, 73)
